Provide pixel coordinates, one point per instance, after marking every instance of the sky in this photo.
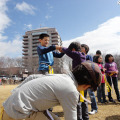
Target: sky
(92, 22)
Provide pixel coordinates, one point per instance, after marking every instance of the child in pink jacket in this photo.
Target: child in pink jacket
(101, 89)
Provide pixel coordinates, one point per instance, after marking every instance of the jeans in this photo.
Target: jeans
(93, 99)
(113, 80)
(101, 93)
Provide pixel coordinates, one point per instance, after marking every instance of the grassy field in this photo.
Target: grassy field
(109, 111)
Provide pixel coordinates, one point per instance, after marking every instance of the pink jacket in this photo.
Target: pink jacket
(103, 73)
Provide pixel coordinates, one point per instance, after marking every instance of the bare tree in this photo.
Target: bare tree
(117, 60)
(67, 64)
(10, 66)
(31, 65)
(1, 64)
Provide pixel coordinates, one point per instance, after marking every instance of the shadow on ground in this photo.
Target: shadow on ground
(109, 103)
(59, 114)
(115, 117)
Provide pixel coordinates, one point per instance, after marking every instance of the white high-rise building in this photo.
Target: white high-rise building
(30, 43)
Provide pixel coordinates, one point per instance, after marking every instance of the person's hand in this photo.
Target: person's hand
(104, 69)
(59, 48)
(113, 72)
(116, 72)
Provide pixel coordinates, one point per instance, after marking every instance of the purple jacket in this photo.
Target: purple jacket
(111, 67)
(77, 57)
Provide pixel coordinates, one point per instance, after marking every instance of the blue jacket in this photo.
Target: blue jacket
(46, 55)
(89, 57)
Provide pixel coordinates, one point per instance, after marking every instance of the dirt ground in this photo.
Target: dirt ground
(108, 111)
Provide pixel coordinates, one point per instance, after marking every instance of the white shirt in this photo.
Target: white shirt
(43, 93)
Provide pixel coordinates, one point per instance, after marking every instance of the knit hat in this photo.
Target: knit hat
(88, 73)
(94, 72)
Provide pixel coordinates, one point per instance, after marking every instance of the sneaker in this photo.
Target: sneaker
(111, 100)
(99, 101)
(50, 109)
(104, 101)
(118, 100)
(92, 112)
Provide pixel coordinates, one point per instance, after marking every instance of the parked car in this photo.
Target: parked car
(4, 77)
(15, 77)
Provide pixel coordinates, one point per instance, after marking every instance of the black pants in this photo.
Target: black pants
(101, 93)
(82, 109)
(113, 80)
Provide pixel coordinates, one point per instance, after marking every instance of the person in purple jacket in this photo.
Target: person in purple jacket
(112, 72)
(74, 52)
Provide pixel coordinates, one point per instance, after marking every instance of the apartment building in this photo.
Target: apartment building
(30, 43)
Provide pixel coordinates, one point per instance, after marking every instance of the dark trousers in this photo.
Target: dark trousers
(42, 72)
(113, 80)
(82, 109)
(101, 93)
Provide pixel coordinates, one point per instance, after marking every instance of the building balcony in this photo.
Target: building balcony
(54, 40)
(25, 65)
(34, 52)
(55, 33)
(35, 55)
(25, 36)
(35, 38)
(25, 53)
(35, 41)
(25, 42)
(24, 61)
(34, 48)
(56, 43)
(25, 46)
(25, 57)
(34, 45)
(55, 36)
(25, 50)
(25, 39)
